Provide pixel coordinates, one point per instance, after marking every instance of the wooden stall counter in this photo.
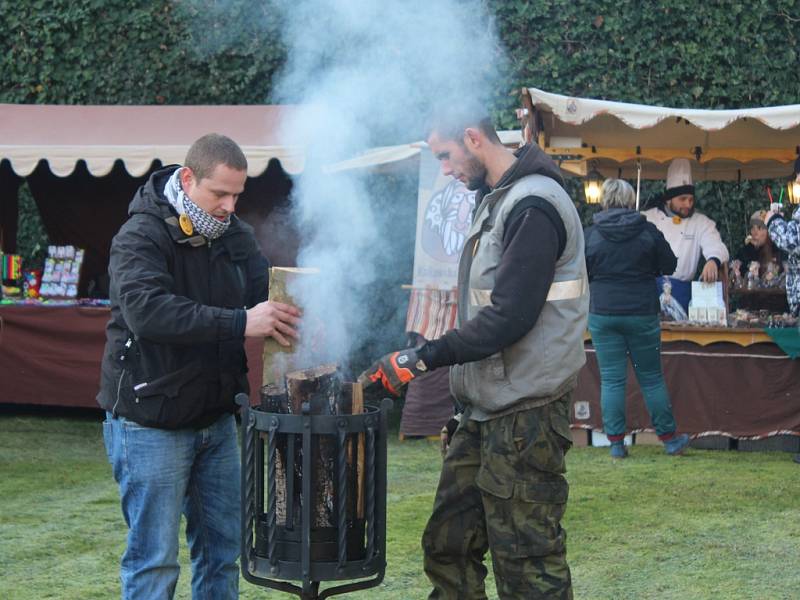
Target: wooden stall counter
(744, 336)
(674, 332)
(722, 380)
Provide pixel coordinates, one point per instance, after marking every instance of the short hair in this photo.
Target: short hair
(211, 150)
(617, 193)
(449, 123)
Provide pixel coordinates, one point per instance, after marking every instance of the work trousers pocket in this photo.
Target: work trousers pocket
(524, 518)
(520, 477)
(542, 436)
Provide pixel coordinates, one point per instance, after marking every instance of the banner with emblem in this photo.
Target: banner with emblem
(444, 215)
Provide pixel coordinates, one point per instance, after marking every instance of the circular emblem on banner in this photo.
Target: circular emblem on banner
(186, 224)
(447, 220)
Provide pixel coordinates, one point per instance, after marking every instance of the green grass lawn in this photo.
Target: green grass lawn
(710, 524)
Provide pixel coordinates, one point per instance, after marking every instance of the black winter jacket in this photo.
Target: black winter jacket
(174, 355)
(624, 256)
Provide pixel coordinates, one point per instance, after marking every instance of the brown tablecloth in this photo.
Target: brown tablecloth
(50, 355)
(717, 388)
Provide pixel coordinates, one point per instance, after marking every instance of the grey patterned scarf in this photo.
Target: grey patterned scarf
(204, 223)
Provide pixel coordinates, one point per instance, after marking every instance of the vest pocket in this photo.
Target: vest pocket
(481, 383)
(495, 366)
(492, 368)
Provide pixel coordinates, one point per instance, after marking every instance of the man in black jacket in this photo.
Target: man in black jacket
(188, 284)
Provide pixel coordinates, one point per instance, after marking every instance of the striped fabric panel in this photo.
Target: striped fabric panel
(431, 313)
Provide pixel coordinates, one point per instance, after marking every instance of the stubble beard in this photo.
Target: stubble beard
(476, 174)
(683, 213)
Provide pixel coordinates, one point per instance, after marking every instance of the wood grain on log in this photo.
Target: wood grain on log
(274, 400)
(357, 409)
(320, 390)
(279, 360)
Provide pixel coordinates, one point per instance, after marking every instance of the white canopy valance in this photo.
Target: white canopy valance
(750, 143)
(138, 135)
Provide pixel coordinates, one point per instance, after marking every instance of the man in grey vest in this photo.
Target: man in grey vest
(516, 353)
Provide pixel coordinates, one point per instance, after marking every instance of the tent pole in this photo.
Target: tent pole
(638, 181)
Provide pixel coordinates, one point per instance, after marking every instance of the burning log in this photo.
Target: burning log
(317, 391)
(320, 387)
(322, 392)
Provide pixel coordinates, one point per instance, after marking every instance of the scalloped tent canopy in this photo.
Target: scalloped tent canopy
(82, 165)
(753, 143)
(138, 135)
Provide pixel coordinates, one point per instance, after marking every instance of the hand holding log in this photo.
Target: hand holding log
(273, 319)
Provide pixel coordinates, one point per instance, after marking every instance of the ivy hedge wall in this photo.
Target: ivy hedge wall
(730, 54)
(137, 51)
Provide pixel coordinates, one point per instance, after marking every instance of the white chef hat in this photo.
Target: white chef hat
(679, 179)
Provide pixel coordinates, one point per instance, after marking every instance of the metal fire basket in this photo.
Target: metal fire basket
(280, 462)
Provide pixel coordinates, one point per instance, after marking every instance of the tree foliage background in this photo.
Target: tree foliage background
(731, 54)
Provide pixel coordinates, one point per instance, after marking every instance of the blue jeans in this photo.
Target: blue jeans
(162, 474)
(615, 338)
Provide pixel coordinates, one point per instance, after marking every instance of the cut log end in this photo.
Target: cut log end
(274, 398)
(312, 373)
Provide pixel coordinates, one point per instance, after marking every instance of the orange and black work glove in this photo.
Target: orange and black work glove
(394, 371)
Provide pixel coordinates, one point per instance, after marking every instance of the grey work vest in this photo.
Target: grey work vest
(543, 364)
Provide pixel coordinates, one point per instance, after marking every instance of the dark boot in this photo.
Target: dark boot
(676, 444)
(618, 449)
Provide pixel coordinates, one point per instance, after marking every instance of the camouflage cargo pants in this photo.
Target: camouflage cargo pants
(502, 488)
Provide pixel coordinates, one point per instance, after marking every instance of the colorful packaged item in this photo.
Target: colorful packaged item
(32, 281)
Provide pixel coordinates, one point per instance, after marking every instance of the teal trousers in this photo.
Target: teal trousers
(617, 338)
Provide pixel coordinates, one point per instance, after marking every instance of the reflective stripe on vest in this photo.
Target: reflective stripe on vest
(566, 290)
(559, 290)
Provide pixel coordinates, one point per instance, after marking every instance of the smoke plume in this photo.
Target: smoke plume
(366, 74)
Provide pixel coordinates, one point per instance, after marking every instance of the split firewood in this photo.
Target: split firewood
(279, 360)
(274, 400)
(353, 403)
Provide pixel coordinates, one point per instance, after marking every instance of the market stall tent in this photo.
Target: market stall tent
(727, 385)
(722, 145)
(82, 165)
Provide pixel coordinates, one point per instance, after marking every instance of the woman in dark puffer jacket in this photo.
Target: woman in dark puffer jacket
(624, 256)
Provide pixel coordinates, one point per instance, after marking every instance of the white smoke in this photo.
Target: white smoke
(366, 74)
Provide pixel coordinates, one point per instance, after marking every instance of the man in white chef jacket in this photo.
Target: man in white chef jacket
(690, 234)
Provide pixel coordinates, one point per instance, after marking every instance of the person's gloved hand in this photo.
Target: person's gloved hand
(394, 371)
